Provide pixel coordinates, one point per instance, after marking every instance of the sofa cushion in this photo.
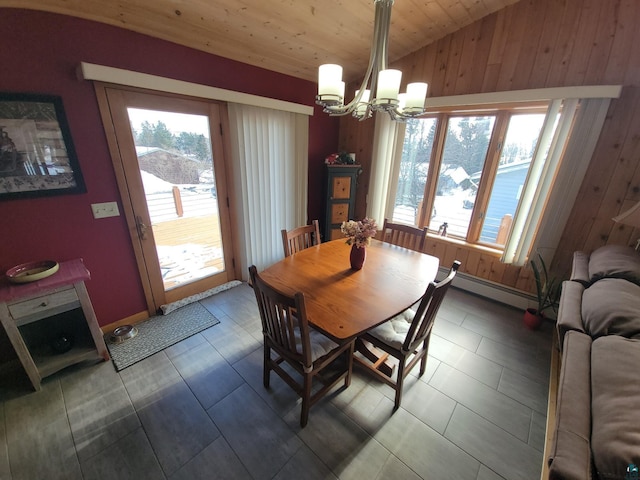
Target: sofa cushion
(580, 268)
(615, 261)
(570, 452)
(611, 306)
(570, 309)
(615, 390)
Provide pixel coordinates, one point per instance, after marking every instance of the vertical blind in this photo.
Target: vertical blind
(387, 148)
(269, 164)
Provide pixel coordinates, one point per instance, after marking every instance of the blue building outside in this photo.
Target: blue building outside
(505, 196)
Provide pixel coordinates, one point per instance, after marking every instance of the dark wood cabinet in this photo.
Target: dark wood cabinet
(341, 183)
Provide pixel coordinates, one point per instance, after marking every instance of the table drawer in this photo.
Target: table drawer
(46, 305)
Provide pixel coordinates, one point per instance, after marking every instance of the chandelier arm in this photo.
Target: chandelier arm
(384, 28)
(383, 22)
(378, 57)
(382, 16)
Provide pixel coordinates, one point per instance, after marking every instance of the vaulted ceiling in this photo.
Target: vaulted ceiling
(288, 36)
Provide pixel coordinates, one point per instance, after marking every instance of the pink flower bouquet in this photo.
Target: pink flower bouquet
(359, 233)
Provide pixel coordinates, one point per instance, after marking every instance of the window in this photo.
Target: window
(414, 166)
(465, 152)
(546, 132)
(466, 171)
(515, 159)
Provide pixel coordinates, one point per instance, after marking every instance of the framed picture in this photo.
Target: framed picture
(36, 152)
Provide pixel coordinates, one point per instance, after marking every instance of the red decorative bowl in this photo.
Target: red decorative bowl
(32, 271)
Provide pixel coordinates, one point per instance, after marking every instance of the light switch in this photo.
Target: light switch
(104, 210)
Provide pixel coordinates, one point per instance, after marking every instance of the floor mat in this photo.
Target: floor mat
(160, 332)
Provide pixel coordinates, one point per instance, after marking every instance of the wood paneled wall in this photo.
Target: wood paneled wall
(538, 44)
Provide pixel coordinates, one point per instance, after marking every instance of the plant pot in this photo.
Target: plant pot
(532, 319)
(357, 257)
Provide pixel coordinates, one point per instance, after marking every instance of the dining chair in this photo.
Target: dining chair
(300, 238)
(406, 336)
(287, 332)
(405, 236)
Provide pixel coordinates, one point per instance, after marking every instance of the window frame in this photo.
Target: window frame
(502, 113)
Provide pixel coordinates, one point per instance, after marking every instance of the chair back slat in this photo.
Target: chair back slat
(405, 236)
(284, 320)
(427, 310)
(300, 238)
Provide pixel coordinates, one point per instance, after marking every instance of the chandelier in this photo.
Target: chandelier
(378, 78)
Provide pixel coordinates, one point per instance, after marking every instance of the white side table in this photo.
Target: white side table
(29, 313)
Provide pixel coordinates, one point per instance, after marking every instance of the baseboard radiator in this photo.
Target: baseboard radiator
(492, 290)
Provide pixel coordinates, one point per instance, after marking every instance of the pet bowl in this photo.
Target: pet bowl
(123, 333)
(62, 343)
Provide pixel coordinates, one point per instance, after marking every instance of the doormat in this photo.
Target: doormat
(160, 332)
(170, 307)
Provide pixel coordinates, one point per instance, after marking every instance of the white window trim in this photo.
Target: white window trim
(537, 186)
(90, 71)
(387, 150)
(524, 96)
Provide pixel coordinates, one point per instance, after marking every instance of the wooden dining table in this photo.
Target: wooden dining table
(344, 303)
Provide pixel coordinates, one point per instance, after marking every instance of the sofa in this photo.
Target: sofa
(597, 427)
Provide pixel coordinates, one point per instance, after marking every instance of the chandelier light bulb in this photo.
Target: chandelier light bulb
(365, 96)
(388, 85)
(330, 82)
(402, 102)
(416, 95)
(361, 108)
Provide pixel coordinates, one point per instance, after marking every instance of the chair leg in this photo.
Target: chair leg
(306, 400)
(347, 380)
(423, 361)
(423, 365)
(266, 369)
(399, 384)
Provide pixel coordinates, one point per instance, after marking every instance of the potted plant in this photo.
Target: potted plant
(547, 293)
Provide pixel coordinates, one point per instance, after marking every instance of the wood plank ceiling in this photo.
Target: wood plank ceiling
(293, 37)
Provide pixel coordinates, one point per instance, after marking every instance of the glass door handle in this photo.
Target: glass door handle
(142, 228)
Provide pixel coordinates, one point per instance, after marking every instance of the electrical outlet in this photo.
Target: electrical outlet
(104, 210)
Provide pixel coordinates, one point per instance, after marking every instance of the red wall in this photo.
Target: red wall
(39, 52)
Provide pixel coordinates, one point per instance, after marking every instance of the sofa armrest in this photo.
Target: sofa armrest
(570, 454)
(580, 268)
(570, 309)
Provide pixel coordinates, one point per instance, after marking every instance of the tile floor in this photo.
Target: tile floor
(198, 410)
